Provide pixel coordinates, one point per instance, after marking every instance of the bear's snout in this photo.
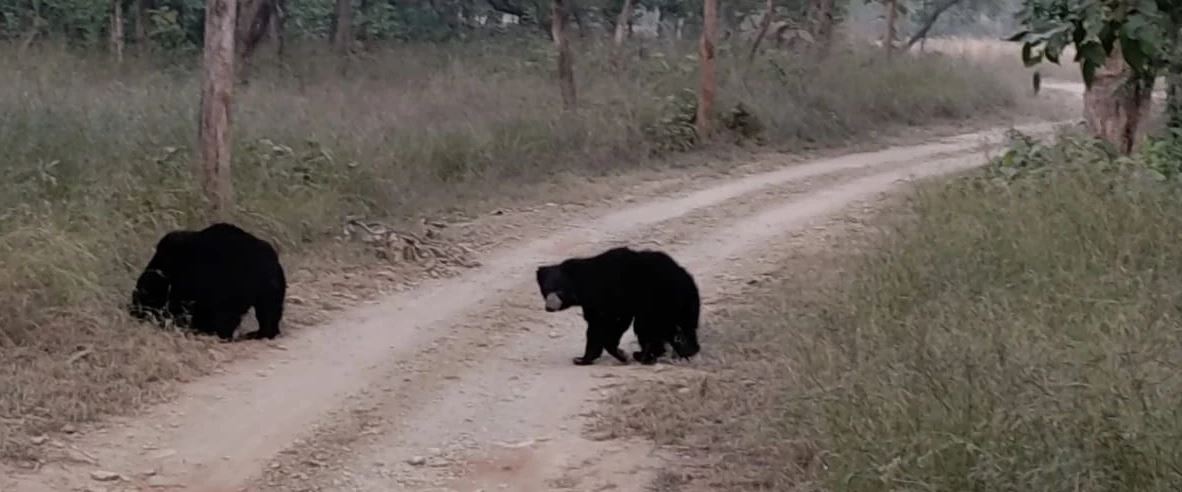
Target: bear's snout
(553, 302)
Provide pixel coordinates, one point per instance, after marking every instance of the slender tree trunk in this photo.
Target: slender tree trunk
(822, 26)
(254, 20)
(342, 39)
(141, 24)
(622, 32)
(279, 28)
(117, 30)
(707, 86)
(216, 93)
(566, 71)
(764, 24)
(921, 36)
(1174, 82)
(623, 21)
(892, 16)
(1113, 107)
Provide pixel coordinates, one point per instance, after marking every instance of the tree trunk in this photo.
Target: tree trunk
(217, 83)
(623, 21)
(117, 30)
(141, 24)
(342, 38)
(892, 15)
(566, 71)
(1114, 105)
(764, 24)
(921, 35)
(1174, 83)
(622, 32)
(822, 26)
(279, 28)
(254, 19)
(707, 86)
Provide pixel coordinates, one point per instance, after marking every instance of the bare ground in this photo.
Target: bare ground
(462, 382)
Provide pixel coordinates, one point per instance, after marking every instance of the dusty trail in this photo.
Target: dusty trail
(465, 383)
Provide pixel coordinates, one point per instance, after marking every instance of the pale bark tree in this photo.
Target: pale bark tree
(623, 23)
(822, 26)
(1115, 105)
(566, 72)
(892, 17)
(117, 30)
(623, 29)
(141, 24)
(216, 102)
(342, 36)
(707, 86)
(764, 24)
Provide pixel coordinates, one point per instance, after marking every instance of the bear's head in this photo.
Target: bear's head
(152, 287)
(150, 294)
(556, 288)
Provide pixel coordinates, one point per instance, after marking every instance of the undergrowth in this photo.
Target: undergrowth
(97, 163)
(1014, 329)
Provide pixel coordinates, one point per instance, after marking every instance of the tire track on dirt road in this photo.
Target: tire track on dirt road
(270, 412)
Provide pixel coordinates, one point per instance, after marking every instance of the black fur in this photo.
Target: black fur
(620, 286)
(208, 279)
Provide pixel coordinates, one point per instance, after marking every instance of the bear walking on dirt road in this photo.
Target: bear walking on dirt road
(620, 286)
(209, 279)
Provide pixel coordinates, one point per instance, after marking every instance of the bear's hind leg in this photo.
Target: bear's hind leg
(652, 345)
(268, 313)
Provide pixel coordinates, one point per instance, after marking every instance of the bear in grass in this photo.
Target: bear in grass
(208, 279)
(621, 286)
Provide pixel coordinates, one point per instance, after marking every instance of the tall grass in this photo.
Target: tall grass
(1015, 337)
(1015, 333)
(97, 166)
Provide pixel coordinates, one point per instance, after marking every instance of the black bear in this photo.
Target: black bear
(208, 279)
(620, 286)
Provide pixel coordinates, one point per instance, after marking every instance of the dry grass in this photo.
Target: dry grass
(1001, 336)
(97, 168)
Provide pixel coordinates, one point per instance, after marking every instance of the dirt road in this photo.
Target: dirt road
(466, 383)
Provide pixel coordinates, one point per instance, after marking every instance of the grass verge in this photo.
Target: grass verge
(97, 168)
(1016, 330)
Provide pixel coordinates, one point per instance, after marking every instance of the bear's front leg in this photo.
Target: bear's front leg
(593, 351)
(595, 338)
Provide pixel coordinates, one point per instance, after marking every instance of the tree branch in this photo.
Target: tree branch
(930, 21)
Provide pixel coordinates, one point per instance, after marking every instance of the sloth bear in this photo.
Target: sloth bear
(208, 279)
(620, 286)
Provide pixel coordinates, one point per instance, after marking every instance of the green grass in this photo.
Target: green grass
(97, 164)
(1003, 334)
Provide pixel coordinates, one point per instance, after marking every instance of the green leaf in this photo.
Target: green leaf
(1134, 56)
(1092, 52)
